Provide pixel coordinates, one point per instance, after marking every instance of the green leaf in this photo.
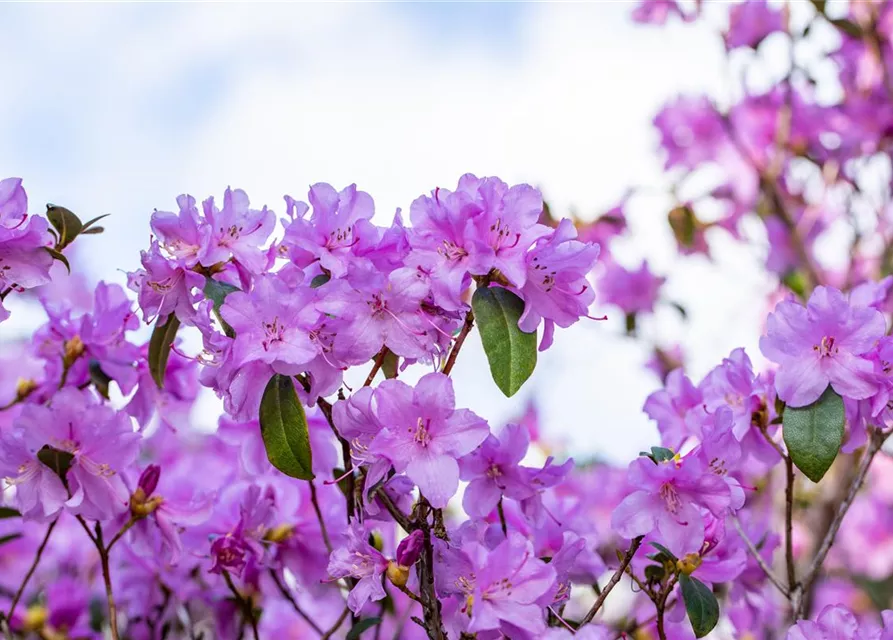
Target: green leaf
(9, 512)
(57, 255)
(663, 550)
(92, 231)
(9, 538)
(390, 366)
(99, 379)
(654, 573)
(701, 605)
(217, 291)
(848, 27)
(510, 352)
(813, 434)
(57, 460)
(88, 226)
(160, 348)
(361, 626)
(661, 454)
(65, 222)
(320, 280)
(283, 427)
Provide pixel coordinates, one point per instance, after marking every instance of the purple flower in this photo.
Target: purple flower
(494, 471)
(164, 287)
(100, 442)
(337, 230)
(13, 203)
(498, 587)
(838, 623)
(238, 545)
(424, 434)
(24, 263)
(677, 409)
(667, 499)
(360, 560)
(272, 325)
(656, 11)
(556, 289)
(184, 235)
(750, 22)
(631, 291)
(237, 232)
(822, 344)
(410, 548)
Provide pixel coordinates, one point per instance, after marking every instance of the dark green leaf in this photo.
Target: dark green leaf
(684, 224)
(361, 626)
(813, 434)
(701, 605)
(57, 255)
(655, 573)
(88, 226)
(65, 222)
(217, 291)
(160, 348)
(663, 550)
(661, 454)
(9, 512)
(320, 280)
(58, 461)
(97, 614)
(99, 379)
(848, 27)
(510, 352)
(92, 231)
(390, 365)
(630, 323)
(9, 538)
(283, 427)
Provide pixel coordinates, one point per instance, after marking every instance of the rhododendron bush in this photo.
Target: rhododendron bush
(347, 493)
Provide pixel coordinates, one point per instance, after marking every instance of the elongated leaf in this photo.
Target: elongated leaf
(9, 538)
(391, 365)
(510, 352)
(700, 604)
(99, 379)
(58, 255)
(57, 460)
(283, 427)
(363, 625)
(160, 348)
(66, 223)
(217, 291)
(88, 225)
(320, 280)
(813, 434)
(9, 512)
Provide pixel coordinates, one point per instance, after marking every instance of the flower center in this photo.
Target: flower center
(826, 348)
(494, 471)
(670, 497)
(452, 251)
(273, 332)
(501, 234)
(422, 435)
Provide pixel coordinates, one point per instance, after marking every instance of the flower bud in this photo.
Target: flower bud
(35, 618)
(376, 541)
(74, 349)
(149, 479)
(24, 388)
(279, 533)
(688, 564)
(397, 574)
(410, 548)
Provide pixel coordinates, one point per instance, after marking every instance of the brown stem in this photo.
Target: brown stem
(502, 522)
(107, 579)
(328, 634)
(376, 366)
(425, 571)
(294, 604)
(120, 534)
(600, 600)
(756, 555)
(875, 442)
(244, 603)
(37, 556)
(789, 525)
(322, 523)
(398, 516)
(460, 340)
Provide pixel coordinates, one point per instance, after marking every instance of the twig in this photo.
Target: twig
(376, 366)
(322, 522)
(107, 578)
(398, 516)
(244, 603)
(37, 556)
(756, 554)
(460, 340)
(876, 441)
(600, 600)
(789, 525)
(328, 634)
(121, 533)
(294, 604)
(499, 508)
(425, 571)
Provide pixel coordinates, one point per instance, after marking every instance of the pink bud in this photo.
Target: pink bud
(409, 549)
(149, 479)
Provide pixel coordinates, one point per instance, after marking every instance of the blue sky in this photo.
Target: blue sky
(114, 108)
